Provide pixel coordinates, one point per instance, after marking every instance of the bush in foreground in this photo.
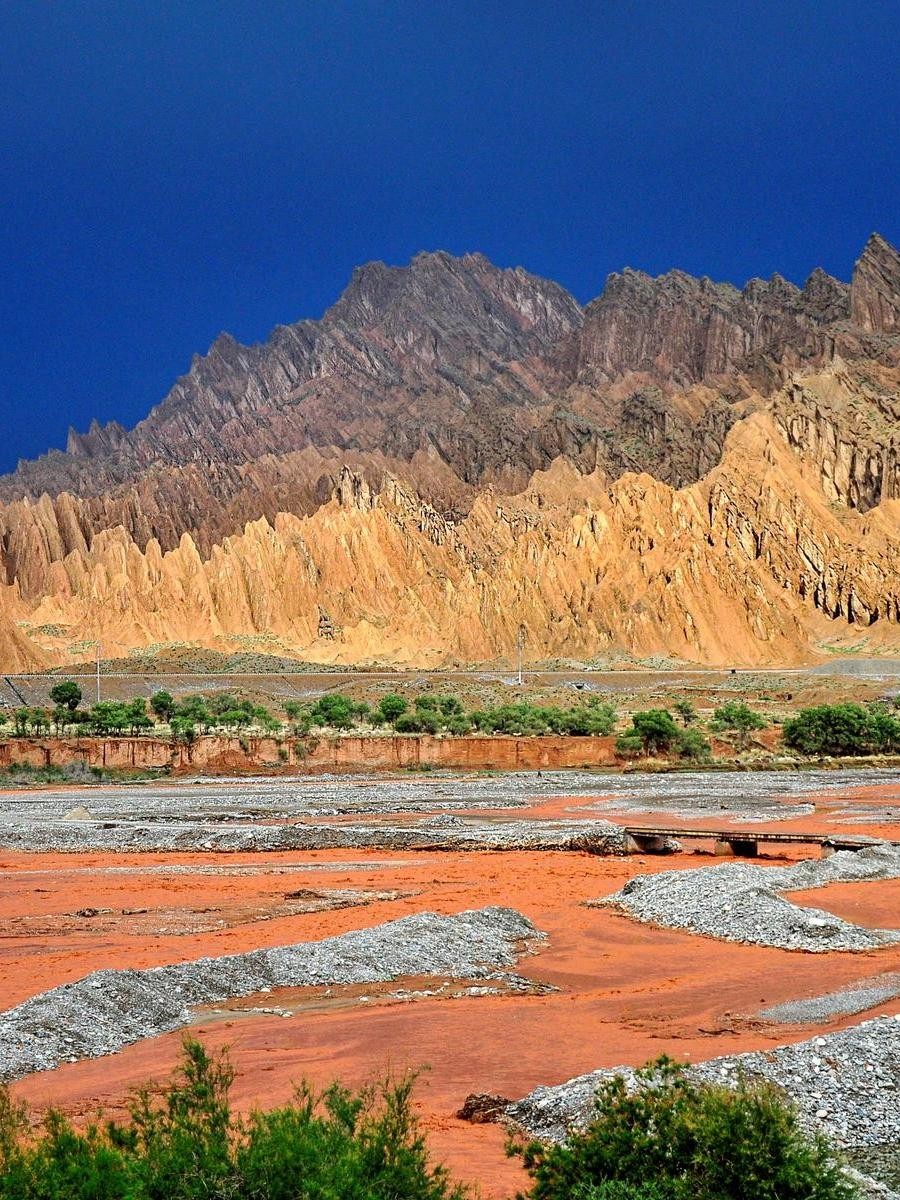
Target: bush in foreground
(188, 1145)
(672, 1139)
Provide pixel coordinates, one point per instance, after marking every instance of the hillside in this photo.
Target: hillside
(455, 451)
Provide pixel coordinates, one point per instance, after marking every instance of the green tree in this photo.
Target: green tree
(40, 720)
(194, 710)
(692, 744)
(109, 716)
(333, 711)
(137, 716)
(884, 730)
(735, 717)
(264, 719)
(653, 728)
(300, 716)
(408, 723)
(183, 730)
(20, 721)
(672, 1139)
(593, 719)
(163, 705)
(841, 729)
(391, 706)
(62, 718)
(66, 694)
(686, 711)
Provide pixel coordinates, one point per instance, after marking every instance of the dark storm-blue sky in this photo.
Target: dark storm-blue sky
(168, 170)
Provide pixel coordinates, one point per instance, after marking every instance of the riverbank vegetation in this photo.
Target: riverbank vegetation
(829, 730)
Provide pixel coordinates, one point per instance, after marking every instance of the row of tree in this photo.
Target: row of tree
(184, 717)
(837, 730)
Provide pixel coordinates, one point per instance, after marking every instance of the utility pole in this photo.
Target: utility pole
(96, 645)
(520, 646)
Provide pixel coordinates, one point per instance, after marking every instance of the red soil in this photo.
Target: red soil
(627, 993)
(874, 905)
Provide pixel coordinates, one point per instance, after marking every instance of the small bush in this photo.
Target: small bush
(691, 744)
(629, 745)
(188, 1145)
(672, 1139)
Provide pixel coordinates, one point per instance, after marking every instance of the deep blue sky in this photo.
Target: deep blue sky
(168, 170)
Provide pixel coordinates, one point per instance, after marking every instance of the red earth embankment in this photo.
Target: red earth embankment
(229, 755)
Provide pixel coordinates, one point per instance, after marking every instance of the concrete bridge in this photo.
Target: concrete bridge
(742, 843)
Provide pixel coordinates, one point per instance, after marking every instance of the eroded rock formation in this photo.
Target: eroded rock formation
(683, 468)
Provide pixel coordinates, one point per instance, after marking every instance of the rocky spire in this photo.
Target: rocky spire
(875, 290)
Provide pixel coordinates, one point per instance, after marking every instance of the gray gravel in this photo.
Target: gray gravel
(435, 833)
(251, 814)
(109, 1009)
(846, 1084)
(845, 1002)
(741, 902)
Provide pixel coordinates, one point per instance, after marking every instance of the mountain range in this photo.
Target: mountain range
(458, 455)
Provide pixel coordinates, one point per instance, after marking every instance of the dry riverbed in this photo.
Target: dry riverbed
(600, 989)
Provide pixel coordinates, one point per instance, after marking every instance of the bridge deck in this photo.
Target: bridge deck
(838, 841)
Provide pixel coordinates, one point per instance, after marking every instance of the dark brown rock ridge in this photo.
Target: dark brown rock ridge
(875, 294)
(684, 330)
(455, 449)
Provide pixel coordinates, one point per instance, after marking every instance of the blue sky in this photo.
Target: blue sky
(169, 170)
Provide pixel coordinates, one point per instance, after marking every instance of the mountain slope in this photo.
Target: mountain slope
(455, 450)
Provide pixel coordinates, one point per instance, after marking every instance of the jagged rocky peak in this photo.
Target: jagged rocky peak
(99, 439)
(826, 297)
(875, 290)
(682, 329)
(456, 304)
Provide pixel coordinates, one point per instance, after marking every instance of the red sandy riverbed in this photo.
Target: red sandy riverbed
(627, 992)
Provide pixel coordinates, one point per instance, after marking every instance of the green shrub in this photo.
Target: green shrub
(420, 722)
(652, 731)
(629, 744)
(843, 729)
(390, 707)
(692, 744)
(735, 717)
(593, 719)
(187, 1145)
(671, 1139)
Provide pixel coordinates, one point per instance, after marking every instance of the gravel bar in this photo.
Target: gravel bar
(436, 833)
(846, 1084)
(742, 902)
(845, 1002)
(109, 1009)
